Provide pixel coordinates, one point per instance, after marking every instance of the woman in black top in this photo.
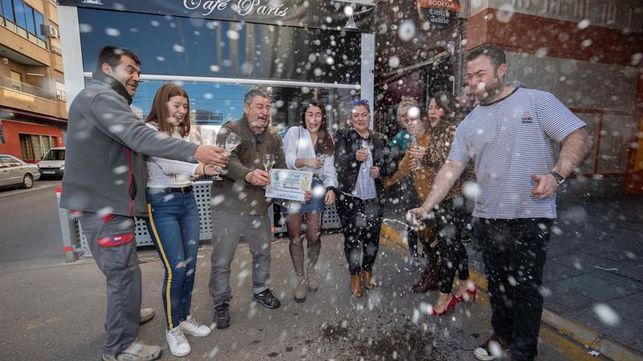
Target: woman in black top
(360, 157)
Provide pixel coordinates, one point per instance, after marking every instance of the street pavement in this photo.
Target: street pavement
(593, 263)
(57, 313)
(593, 279)
(29, 227)
(594, 273)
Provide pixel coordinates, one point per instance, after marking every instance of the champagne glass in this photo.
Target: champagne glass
(322, 158)
(418, 162)
(232, 142)
(212, 140)
(364, 145)
(415, 146)
(268, 161)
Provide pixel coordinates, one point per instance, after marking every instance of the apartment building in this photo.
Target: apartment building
(33, 111)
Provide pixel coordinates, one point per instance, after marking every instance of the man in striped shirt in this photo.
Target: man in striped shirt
(513, 137)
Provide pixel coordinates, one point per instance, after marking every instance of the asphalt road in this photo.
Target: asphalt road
(29, 227)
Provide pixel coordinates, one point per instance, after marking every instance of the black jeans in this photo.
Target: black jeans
(514, 253)
(361, 223)
(453, 255)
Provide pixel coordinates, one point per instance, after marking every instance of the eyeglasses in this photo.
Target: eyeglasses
(359, 102)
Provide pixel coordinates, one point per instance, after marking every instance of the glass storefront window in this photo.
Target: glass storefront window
(206, 48)
(213, 104)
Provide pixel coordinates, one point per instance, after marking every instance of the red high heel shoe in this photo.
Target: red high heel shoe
(450, 306)
(469, 296)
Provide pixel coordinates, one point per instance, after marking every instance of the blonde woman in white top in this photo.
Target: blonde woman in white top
(173, 222)
(309, 147)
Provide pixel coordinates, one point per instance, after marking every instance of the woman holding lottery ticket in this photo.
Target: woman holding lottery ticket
(309, 147)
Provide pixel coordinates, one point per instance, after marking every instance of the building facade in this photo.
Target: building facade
(33, 111)
(218, 51)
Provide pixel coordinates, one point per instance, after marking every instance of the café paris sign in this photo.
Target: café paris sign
(241, 7)
(440, 13)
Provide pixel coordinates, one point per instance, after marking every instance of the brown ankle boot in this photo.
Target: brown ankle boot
(428, 281)
(366, 277)
(356, 285)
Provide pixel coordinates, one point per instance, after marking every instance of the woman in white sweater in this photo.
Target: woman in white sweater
(309, 147)
(173, 222)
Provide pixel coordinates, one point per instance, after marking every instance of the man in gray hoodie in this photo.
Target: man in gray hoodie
(104, 183)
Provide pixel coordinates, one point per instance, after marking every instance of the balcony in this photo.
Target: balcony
(19, 95)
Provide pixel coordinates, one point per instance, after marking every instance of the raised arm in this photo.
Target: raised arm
(444, 180)
(118, 121)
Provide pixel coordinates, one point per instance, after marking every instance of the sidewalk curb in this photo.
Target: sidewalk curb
(584, 337)
(23, 191)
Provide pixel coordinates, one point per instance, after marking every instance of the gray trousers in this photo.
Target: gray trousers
(116, 258)
(227, 228)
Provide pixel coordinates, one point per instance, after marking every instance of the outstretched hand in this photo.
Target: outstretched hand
(416, 216)
(209, 154)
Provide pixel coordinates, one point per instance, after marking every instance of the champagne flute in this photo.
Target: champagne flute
(418, 163)
(268, 161)
(415, 145)
(232, 142)
(364, 145)
(217, 177)
(322, 159)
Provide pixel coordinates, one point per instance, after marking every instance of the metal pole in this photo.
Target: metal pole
(66, 226)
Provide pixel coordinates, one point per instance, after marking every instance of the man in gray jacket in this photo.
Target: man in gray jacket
(104, 183)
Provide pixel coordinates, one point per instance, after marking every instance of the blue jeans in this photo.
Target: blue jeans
(173, 224)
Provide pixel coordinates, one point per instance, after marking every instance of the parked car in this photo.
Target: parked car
(53, 163)
(13, 171)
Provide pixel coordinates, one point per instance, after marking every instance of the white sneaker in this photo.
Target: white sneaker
(179, 345)
(137, 351)
(192, 327)
(146, 315)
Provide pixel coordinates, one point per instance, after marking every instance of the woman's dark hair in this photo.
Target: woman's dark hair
(452, 109)
(159, 114)
(324, 143)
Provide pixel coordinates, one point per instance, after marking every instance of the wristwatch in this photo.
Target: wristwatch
(559, 178)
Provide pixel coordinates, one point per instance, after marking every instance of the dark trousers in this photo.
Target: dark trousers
(113, 246)
(514, 253)
(361, 223)
(453, 255)
(173, 225)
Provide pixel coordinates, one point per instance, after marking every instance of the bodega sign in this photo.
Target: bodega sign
(440, 13)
